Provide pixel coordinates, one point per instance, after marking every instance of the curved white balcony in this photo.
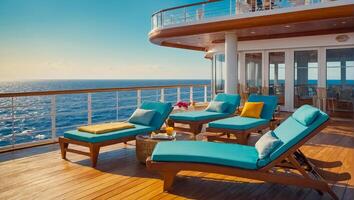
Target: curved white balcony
(212, 9)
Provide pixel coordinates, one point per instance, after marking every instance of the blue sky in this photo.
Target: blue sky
(89, 39)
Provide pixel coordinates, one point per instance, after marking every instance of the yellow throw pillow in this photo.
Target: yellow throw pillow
(106, 127)
(252, 109)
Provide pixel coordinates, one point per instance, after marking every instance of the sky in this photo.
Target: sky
(89, 39)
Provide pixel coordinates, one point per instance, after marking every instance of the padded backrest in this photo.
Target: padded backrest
(291, 132)
(162, 111)
(270, 104)
(232, 99)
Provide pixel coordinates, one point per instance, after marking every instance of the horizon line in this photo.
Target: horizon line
(88, 79)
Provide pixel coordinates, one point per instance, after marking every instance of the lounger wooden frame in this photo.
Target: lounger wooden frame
(307, 175)
(241, 135)
(94, 148)
(195, 127)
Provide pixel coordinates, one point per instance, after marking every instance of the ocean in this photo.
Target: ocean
(32, 114)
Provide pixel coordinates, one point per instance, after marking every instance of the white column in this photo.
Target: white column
(231, 63)
(289, 80)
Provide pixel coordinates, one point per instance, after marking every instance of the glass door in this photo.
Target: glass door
(306, 77)
(253, 63)
(340, 82)
(219, 73)
(277, 75)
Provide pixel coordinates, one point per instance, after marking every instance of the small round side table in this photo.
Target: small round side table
(145, 144)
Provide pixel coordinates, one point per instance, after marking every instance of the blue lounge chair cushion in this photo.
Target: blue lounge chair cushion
(306, 114)
(291, 132)
(266, 144)
(93, 138)
(197, 115)
(270, 104)
(162, 111)
(217, 106)
(233, 155)
(233, 101)
(238, 123)
(142, 117)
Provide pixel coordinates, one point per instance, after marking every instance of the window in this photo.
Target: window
(277, 75)
(340, 82)
(219, 72)
(306, 77)
(254, 73)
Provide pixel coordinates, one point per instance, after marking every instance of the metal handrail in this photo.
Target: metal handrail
(11, 117)
(212, 9)
(80, 91)
(185, 6)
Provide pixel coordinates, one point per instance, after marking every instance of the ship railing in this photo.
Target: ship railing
(30, 119)
(212, 9)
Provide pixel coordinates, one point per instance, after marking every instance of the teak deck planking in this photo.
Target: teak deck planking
(40, 173)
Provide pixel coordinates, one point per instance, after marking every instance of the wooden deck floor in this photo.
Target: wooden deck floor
(40, 173)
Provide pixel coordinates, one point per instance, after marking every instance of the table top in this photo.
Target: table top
(179, 136)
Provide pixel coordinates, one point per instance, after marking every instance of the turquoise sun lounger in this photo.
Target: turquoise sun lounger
(244, 161)
(95, 141)
(196, 119)
(241, 127)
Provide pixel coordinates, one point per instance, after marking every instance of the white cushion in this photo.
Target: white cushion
(142, 116)
(267, 144)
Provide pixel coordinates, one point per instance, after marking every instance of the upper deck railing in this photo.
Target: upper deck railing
(219, 8)
(33, 118)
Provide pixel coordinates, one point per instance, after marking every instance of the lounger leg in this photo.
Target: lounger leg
(94, 151)
(63, 147)
(242, 138)
(170, 123)
(196, 129)
(211, 138)
(168, 179)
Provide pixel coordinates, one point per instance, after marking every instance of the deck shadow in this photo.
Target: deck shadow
(191, 187)
(333, 139)
(27, 152)
(120, 162)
